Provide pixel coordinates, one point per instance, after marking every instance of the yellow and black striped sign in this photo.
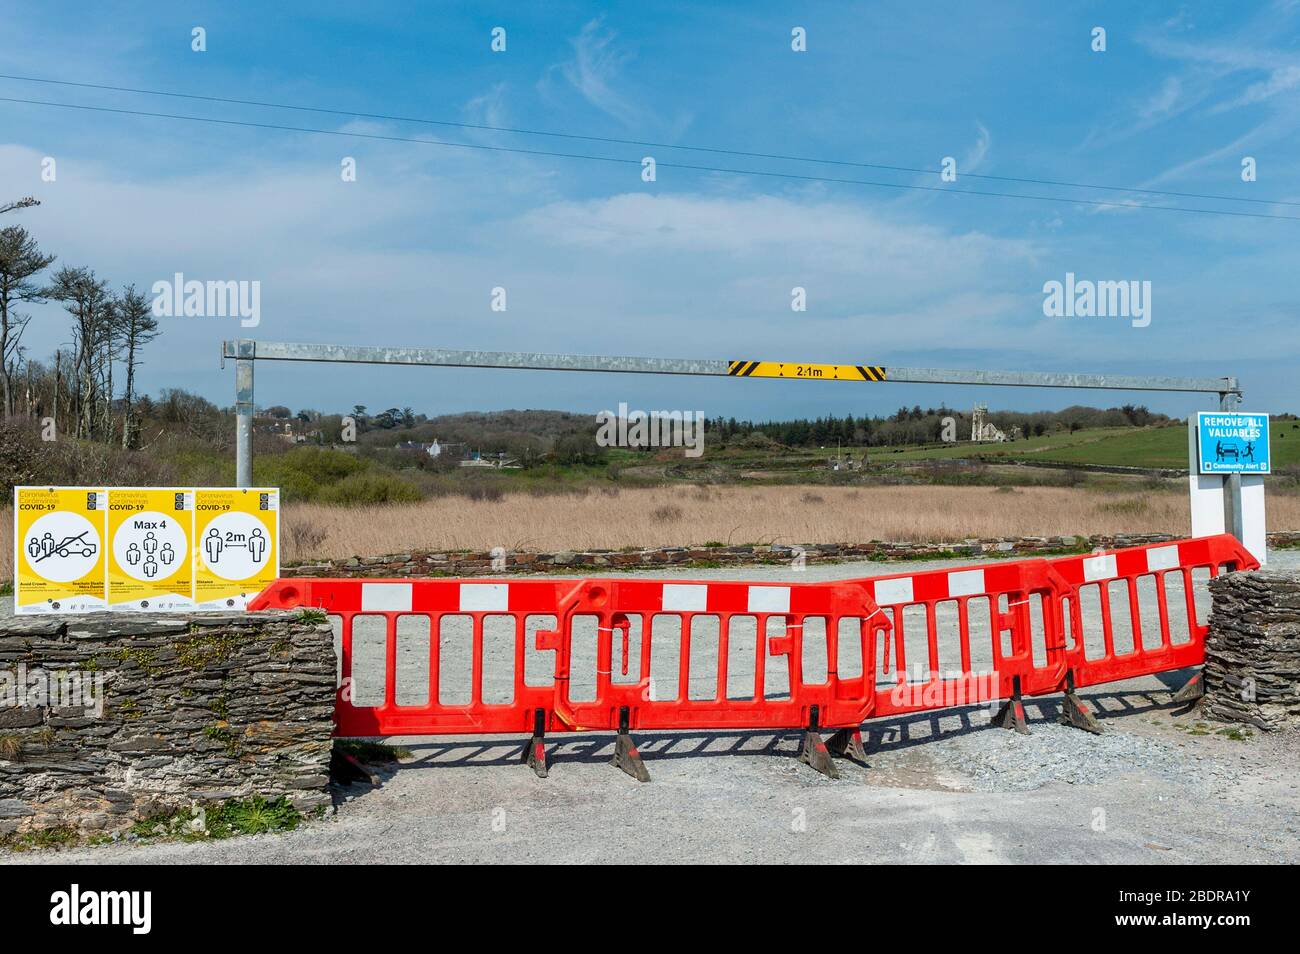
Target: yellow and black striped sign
(810, 372)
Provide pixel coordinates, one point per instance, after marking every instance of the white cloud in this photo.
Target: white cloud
(594, 72)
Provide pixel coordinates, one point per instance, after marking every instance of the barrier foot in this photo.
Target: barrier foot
(814, 752)
(847, 744)
(345, 770)
(1075, 710)
(626, 756)
(1192, 690)
(1012, 713)
(534, 754)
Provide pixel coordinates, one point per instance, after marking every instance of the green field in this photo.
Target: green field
(1111, 446)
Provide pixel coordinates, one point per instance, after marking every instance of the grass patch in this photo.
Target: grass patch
(241, 816)
(1235, 733)
(61, 836)
(373, 752)
(312, 614)
(7, 588)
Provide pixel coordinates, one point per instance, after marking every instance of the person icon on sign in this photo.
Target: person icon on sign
(1250, 452)
(33, 547)
(150, 568)
(213, 545)
(150, 543)
(256, 546)
(47, 544)
(167, 554)
(132, 554)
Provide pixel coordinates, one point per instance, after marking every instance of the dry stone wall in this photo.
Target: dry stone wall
(421, 563)
(106, 719)
(1252, 650)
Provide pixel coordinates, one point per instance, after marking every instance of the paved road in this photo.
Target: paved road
(942, 788)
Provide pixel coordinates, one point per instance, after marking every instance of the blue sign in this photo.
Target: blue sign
(1233, 443)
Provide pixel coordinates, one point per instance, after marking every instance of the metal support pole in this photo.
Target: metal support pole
(245, 353)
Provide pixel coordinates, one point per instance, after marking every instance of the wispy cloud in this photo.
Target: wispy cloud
(595, 69)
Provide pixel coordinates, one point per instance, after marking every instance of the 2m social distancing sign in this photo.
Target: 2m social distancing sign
(236, 545)
(143, 549)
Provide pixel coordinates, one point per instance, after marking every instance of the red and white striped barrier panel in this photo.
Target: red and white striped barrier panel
(623, 654)
(627, 654)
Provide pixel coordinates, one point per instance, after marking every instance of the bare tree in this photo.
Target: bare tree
(137, 326)
(87, 299)
(20, 260)
(26, 203)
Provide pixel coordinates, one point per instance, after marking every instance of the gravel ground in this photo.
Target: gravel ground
(939, 788)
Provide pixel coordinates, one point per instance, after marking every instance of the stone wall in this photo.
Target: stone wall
(109, 718)
(1252, 650)
(423, 563)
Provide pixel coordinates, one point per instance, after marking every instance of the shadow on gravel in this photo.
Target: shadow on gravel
(892, 735)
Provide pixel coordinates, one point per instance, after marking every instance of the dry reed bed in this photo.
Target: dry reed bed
(683, 516)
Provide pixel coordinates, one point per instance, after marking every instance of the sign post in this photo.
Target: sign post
(1230, 455)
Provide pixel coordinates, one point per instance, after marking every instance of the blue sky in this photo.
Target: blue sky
(696, 264)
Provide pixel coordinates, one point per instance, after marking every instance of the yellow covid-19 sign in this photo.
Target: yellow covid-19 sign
(59, 537)
(143, 549)
(149, 565)
(236, 545)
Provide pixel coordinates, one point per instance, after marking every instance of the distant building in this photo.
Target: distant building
(984, 431)
(433, 449)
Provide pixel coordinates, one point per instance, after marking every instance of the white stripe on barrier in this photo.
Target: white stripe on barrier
(385, 597)
(1162, 558)
(894, 591)
(484, 597)
(685, 598)
(769, 599)
(966, 583)
(1099, 567)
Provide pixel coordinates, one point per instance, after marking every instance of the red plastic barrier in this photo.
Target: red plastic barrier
(1158, 579)
(438, 601)
(599, 609)
(702, 630)
(1037, 625)
(631, 653)
(1000, 625)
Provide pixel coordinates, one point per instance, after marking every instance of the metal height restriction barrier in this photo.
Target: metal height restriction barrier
(538, 656)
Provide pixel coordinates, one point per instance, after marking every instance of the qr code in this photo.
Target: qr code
(92, 500)
(180, 501)
(263, 501)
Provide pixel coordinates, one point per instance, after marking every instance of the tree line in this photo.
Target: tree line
(917, 426)
(109, 330)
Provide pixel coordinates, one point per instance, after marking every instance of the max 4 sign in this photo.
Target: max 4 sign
(1231, 442)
